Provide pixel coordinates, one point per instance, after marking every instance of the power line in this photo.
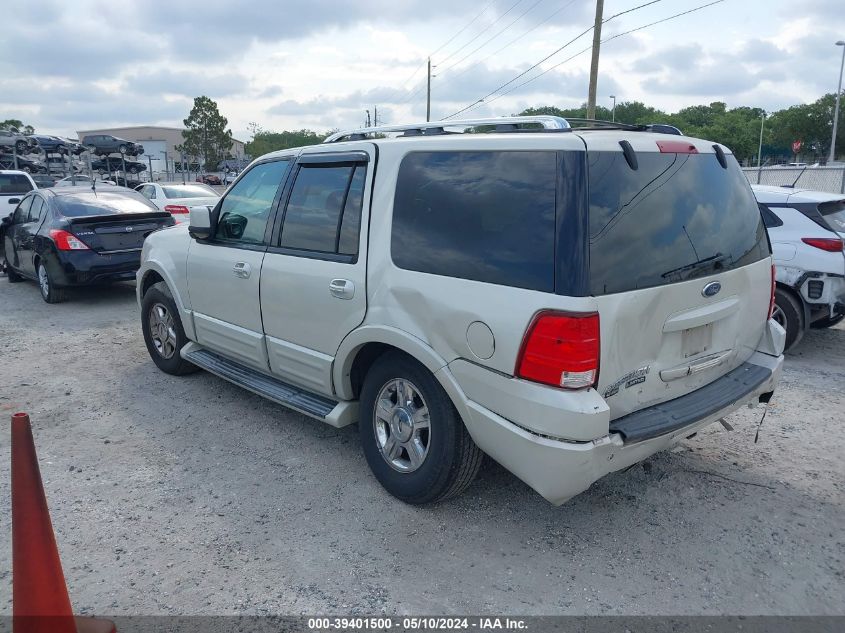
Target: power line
(480, 33)
(613, 37)
(466, 26)
(513, 41)
(549, 56)
(490, 39)
(449, 41)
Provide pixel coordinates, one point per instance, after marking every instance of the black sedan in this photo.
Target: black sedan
(116, 163)
(76, 236)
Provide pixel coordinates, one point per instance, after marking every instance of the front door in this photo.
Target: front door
(12, 238)
(224, 271)
(313, 283)
(25, 235)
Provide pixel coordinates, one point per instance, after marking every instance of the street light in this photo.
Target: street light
(613, 111)
(836, 109)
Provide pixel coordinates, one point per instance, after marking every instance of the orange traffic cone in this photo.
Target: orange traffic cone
(40, 601)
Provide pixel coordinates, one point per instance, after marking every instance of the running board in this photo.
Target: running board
(335, 413)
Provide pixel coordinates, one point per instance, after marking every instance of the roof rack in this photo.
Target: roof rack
(608, 125)
(432, 128)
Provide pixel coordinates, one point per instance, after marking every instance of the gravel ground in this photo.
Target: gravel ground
(190, 496)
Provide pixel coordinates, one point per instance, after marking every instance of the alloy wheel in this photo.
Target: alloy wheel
(162, 330)
(402, 425)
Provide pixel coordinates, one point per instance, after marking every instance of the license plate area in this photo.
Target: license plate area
(697, 340)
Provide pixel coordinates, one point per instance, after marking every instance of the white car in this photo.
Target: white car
(806, 229)
(81, 180)
(458, 293)
(178, 198)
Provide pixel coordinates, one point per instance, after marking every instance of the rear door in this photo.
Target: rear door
(313, 282)
(679, 265)
(224, 272)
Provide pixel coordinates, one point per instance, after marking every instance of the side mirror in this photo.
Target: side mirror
(200, 223)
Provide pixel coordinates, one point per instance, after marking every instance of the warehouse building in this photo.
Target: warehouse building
(159, 143)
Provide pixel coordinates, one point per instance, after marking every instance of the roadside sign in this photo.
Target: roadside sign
(796, 146)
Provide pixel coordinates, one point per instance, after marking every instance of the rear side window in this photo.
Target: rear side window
(324, 209)
(677, 217)
(770, 219)
(15, 183)
(36, 210)
(834, 214)
(485, 216)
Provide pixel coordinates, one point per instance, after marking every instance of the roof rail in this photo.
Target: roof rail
(605, 125)
(431, 128)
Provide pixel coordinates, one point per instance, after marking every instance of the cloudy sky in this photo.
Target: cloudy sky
(320, 63)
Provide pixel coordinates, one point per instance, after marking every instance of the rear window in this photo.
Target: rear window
(677, 217)
(15, 183)
(110, 203)
(485, 216)
(188, 191)
(834, 213)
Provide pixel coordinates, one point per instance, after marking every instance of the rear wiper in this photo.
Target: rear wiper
(707, 262)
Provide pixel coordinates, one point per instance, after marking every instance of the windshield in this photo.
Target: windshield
(14, 183)
(677, 217)
(188, 191)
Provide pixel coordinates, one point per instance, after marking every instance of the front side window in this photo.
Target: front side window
(485, 216)
(324, 210)
(245, 209)
(22, 212)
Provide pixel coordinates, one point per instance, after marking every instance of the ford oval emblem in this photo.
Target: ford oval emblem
(711, 289)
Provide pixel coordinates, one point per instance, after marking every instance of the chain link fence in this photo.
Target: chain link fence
(829, 179)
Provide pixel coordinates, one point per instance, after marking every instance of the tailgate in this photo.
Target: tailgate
(119, 232)
(680, 267)
(661, 343)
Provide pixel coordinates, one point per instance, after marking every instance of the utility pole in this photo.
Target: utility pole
(836, 110)
(428, 94)
(375, 116)
(760, 148)
(368, 119)
(594, 65)
(613, 111)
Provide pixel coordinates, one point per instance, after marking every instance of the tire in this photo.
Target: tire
(49, 291)
(789, 313)
(163, 331)
(27, 169)
(122, 149)
(446, 460)
(21, 147)
(827, 322)
(133, 170)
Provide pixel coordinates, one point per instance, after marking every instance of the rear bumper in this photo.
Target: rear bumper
(83, 268)
(558, 470)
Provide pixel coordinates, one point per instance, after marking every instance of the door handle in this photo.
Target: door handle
(342, 288)
(242, 270)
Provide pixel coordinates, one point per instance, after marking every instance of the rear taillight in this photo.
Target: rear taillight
(830, 244)
(561, 349)
(176, 209)
(772, 296)
(67, 241)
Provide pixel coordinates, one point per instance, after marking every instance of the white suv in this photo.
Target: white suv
(806, 230)
(567, 301)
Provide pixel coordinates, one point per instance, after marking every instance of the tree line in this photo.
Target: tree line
(737, 128)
